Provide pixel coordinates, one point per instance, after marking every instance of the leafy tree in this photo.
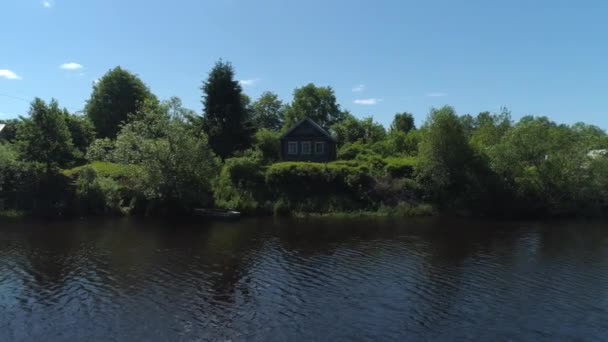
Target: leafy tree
(544, 164)
(400, 143)
(117, 94)
(81, 131)
(351, 129)
(489, 128)
(176, 164)
(226, 119)
(176, 110)
(45, 137)
(317, 103)
(445, 157)
(101, 150)
(268, 112)
(403, 122)
(269, 144)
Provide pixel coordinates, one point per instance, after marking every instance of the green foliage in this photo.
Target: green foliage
(178, 170)
(44, 137)
(350, 130)
(106, 169)
(8, 160)
(116, 95)
(82, 133)
(269, 144)
(317, 187)
(226, 119)
(97, 194)
(241, 185)
(401, 167)
(101, 150)
(488, 129)
(316, 103)
(268, 112)
(403, 122)
(446, 161)
(153, 157)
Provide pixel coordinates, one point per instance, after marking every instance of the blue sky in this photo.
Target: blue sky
(535, 57)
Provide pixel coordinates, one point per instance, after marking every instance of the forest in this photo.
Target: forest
(130, 153)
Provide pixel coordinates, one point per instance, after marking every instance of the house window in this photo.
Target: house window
(319, 147)
(306, 147)
(292, 147)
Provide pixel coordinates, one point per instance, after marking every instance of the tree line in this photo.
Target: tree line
(129, 152)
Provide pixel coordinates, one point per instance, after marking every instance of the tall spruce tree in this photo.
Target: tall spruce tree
(226, 119)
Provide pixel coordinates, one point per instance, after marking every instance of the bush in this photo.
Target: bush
(316, 187)
(101, 150)
(400, 167)
(241, 185)
(269, 144)
(106, 169)
(97, 194)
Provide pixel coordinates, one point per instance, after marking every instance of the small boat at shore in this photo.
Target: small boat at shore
(217, 213)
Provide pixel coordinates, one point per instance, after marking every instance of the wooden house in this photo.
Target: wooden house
(307, 141)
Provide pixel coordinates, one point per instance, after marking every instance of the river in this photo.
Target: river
(302, 280)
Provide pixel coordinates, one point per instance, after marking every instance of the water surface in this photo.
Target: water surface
(288, 280)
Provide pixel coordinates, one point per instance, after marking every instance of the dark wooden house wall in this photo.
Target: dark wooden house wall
(306, 132)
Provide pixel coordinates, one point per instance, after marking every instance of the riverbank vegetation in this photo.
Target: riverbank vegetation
(130, 153)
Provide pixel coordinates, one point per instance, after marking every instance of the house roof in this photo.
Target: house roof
(314, 124)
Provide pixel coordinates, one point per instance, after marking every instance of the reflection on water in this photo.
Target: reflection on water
(285, 280)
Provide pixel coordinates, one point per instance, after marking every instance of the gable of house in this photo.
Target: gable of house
(307, 141)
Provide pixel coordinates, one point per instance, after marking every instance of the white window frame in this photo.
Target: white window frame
(292, 148)
(306, 147)
(322, 144)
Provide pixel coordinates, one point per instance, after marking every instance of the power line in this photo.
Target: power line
(15, 97)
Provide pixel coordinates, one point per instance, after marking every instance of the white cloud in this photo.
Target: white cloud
(96, 81)
(250, 82)
(71, 66)
(48, 3)
(8, 74)
(358, 88)
(367, 102)
(436, 94)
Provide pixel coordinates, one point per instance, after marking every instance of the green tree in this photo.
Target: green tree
(116, 95)
(403, 122)
(268, 112)
(545, 165)
(226, 119)
(82, 132)
(176, 164)
(316, 103)
(488, 129)
(351, 129)
(269, 144)
(445, 157)
(44, 136)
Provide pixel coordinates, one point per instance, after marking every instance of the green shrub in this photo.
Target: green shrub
(269, 144)
(97, 194)
(100, 150)
(317, 187)
(241, 185)
(403, 167)
(106, 169)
